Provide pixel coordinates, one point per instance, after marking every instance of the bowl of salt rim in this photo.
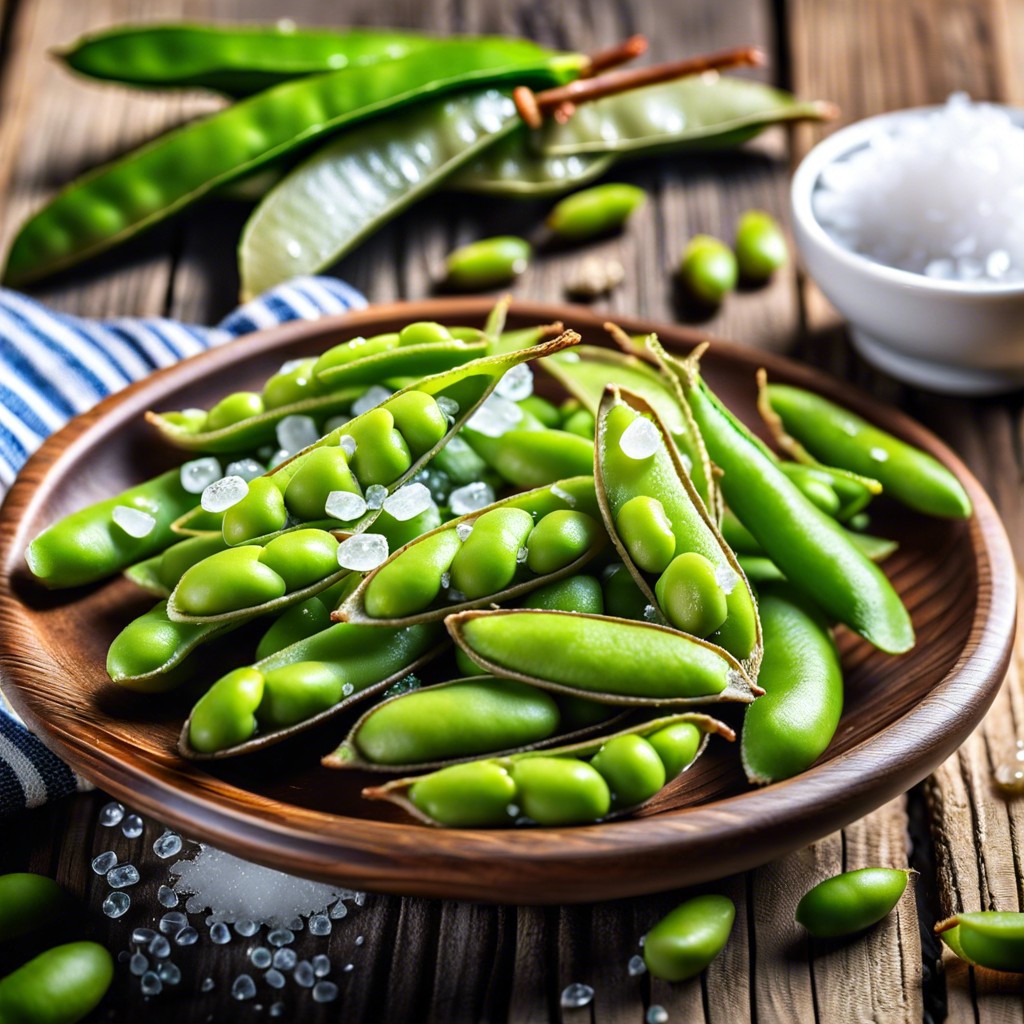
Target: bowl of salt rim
(952, 336)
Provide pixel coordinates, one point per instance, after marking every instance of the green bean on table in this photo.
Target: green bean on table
(595, 211)
(685, 941)
(141, 189)
(850, 902)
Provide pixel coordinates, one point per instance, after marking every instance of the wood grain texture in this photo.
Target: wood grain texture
(869, 56)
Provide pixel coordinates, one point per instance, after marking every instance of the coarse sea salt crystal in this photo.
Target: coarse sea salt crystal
(363, 552)
(198, 474)
(222, 494)
(448, 406)
(345, 505)
(111, 814)
(470, 498)
(133, 521)
(247, 469)
(117, 904)
(936, 193)
(640, 440)
(370, 399)
(497, 416)
(576, 995)
(168, 845)
(296, 432)
(375, 495)
(408, 502)
(103, 862)
(347, 443)
(516, 384)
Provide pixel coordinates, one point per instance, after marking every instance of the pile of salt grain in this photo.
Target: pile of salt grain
(941, 194)
(235, 890)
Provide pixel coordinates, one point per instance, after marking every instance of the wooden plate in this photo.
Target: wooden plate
(903, 715)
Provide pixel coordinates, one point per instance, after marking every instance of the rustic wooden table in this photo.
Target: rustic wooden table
(448, 962)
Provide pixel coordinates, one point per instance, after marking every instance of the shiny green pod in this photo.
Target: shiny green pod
(228, 581)
(684, 942)
(160, 574)
(60, 986)
(487, 263)
(28, 902)
(488, 558)
(850, 902)
(986, 938)
(595, 211)
(760, 246)
(708, 269)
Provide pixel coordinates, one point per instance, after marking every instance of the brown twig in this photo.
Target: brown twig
(562, 101)
(623, 53)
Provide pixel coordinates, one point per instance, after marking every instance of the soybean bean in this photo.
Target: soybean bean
(988, 938)
(573, 594)
(684, 942)
(760, 246)
(228, 581)
(324, 470)
(487, 560)
(488, 263)
(689, 593)
(261, 512)
(708, 269)
(595, 211)
(301, 557)
(296, 692)
(559, 539)
(851, 902)
(60, 986)
(474, 795)
(632, 769)
(560, 791)
(226, 714)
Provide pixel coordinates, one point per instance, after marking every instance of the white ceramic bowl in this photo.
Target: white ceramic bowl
(951, 336)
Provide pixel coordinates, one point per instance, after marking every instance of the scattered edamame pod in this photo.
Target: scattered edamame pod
(788, 728)
(851, 902)
(487, 263)
(708, 269)
(595, 211)
(685, 941)
(760, 246)
(574, 784)
(841, 438)
(60, 986)
(986, 938)
(28, 902)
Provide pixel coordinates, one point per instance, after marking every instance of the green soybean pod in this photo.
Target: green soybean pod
(465, 718)
(987, 938)
(28, 902)
(760, 246)
(411, 582)
(226, 714)
(788, 728)
(708, 269)
(851, 902)
(595, 211)
(533, 458)
(228, 581)
(686, 940)
(487, 263)
(841, 438)
(60, 986)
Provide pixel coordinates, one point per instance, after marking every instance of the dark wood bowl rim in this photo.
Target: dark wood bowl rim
(614, 860)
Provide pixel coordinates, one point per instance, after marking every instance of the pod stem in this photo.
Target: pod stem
(562, 101)
(622, 53)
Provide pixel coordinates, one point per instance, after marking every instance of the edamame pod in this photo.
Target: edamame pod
(701, 589)
(531, 457)
(60, 986)
(611, 660)
(851, 902)
(684, 942)
(841, 438)
(812, 550)
(786, 730)
(987, 938)
(575, 784)
(160, 574)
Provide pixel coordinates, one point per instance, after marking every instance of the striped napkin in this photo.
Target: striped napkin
(54, 366)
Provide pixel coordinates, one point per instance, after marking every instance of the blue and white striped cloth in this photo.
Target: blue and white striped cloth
(54, 366)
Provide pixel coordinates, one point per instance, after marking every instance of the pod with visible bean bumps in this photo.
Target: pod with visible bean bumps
(160, 574)
(408, 586)
(301, 557)
(28, 902)
(292, 689)
(324, 470)
(684, 942)
(851, 902)
(565, 785)
(787, 730)
(559, 539)
(60, 986)
(642, 483)
(241, 405)
(708, 269)
(452, 721)
(841, 438)
(260, 513)
(305, 619)
(228, 581)
(986, 938)
(611, 660)
(760, 246)
(487, 263)
(595, 211)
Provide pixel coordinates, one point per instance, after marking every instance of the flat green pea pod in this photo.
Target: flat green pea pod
(237, 60)
(133, 193)
(790, 727)
(579, 783)
(449, 722)
(813, 551)
(664, 534)
(614, 661)
(160, 574)
(684, 942)
(148, 655)
(28, 902)
(698, 113)
(851, 902)
(595, 211)
(986, 938)
(488, 263)
(804, 422)
(89, 544)
(760, 246)
(708, 269)
(476, 559)
(60, 986)
(585, 373)
(302, 685)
